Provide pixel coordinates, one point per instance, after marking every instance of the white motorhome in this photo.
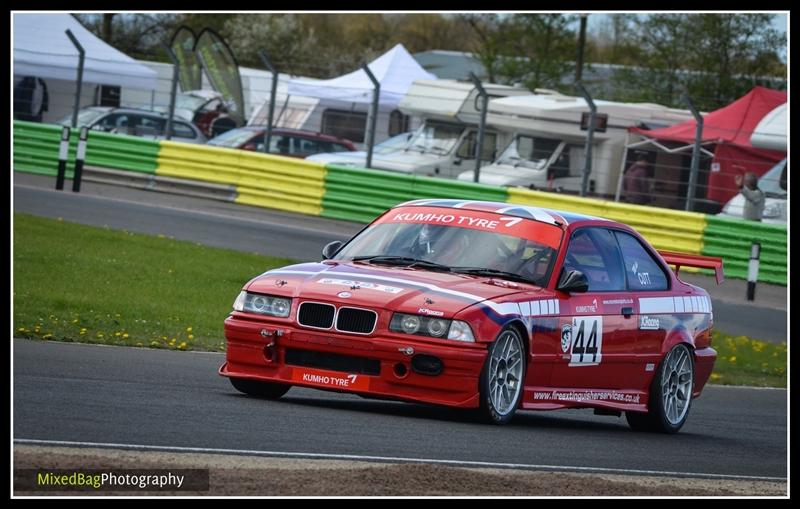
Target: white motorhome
(444, 145)
(547, 149)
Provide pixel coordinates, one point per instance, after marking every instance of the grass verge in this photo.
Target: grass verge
(97, 285)
(746, 361)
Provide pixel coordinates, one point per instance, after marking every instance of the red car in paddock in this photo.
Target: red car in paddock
(483, 305)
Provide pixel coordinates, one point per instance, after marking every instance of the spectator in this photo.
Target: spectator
(637, 181)
(30, 99)
(753, 196)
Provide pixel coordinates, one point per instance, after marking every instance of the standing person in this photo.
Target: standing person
(754, 197)
(637, 181)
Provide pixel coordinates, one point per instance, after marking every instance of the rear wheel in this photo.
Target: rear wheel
(264, 390)
(670, 394)
(502, 378)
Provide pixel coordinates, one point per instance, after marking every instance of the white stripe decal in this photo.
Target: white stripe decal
(687, 304)
(558, 312)
(525, 308)
(535, 308)
(678, 304)
(551, 307)
(462, 204)
(656, 305)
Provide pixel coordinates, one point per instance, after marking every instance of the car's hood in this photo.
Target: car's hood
(394, 288)
(348, 158)
(504, 175)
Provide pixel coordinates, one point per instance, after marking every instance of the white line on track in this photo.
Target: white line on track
(392, 459)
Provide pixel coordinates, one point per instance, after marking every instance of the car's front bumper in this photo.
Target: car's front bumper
(257, 350)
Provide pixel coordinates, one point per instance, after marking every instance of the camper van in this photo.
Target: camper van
(547, 148)
(444, 145)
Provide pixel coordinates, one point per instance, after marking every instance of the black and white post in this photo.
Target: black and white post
(752, 270)
(80, 155)
(63, 153)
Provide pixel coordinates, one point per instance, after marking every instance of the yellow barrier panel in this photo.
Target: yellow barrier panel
(262, 180)
(664, 228)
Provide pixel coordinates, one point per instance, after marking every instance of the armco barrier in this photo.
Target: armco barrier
(262, 180)
(731, 239)
(359, 194)
(664, 228)
(36, 150)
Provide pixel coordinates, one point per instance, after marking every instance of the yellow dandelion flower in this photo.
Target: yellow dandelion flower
(126, 335)
(191, 336)
(732, 359)
(188, 329)
(182, 346)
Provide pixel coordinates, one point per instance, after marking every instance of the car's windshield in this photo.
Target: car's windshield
(463, 241)
(232, 138)
(393, 144)
(435, 137)
(85, 117)
(774, 181)
(528, 151)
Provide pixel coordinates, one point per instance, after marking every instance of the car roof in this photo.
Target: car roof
(544, 215)
(311, 134)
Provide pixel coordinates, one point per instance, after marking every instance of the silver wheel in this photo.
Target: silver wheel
(676, 385)
(505, 372)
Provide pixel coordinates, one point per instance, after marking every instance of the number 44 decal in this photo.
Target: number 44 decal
(587, 341)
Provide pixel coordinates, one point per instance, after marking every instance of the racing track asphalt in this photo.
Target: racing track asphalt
(114, 395)
(273, 233)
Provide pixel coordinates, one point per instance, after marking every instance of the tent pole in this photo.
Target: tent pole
(273, 91)
(373, 114)
(81, 58)
(698, 138)
(481, 125)
(622, 167)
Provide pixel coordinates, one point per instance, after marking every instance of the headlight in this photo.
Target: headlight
(430, 326)
(262, 304)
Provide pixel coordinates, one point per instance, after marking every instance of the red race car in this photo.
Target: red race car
(484, 305)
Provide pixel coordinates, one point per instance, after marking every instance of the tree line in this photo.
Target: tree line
(715, 57)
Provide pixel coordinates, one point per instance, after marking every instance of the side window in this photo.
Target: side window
(398, 123)
(344, 124)
(641, 270)
(152, 125)
(468, 147)
(594, 252)
(304, 146)
(117, 120)
(279, 144)
(181, 130)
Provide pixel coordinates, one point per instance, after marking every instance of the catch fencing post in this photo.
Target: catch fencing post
(173, 90)
(79, 157)
(272, 93)
(752, 270)
(698, 138)
(373, 113)
(587, 165)
(81, 58)
(481, 125)
(63, 153)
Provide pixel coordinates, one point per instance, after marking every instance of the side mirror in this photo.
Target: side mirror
(457, 161)
(330, 249)
(573, 281)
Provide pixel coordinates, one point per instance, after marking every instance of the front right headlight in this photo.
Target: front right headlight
(262, 304)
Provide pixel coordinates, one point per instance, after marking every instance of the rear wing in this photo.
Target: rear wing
(689, 260)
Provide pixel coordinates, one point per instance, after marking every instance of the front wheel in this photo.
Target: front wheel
(502, 378)
(670, 394)
(264, 390)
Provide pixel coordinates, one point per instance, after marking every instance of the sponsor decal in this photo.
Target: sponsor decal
(329, 379)
(566, 337)
(429, 312)
(587, 395)
(649, 366)
(587, 308)
(587, 341)
(344, 295)
(355, 285)
(649, 323)
(618, 301)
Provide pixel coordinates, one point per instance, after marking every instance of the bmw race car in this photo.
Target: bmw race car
(492, 306)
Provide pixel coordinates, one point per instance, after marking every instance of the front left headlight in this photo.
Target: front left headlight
(262, 304)
(432, 327)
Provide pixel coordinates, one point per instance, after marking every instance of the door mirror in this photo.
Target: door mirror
(249, 146)
(457, 162)
(330, 249)
(573, 281)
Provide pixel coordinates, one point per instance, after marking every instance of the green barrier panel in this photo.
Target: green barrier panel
(36, 150)
(731, 239)
(359, 194)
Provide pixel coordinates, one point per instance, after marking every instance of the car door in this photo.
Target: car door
(598, 327)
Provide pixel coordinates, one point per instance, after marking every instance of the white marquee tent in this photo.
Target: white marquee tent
(395, 70)
(42, 49)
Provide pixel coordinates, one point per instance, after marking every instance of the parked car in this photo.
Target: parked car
(774, 185)
(206, 109)
(135, 122)
(287, 142)
(483, 305)
(359, 158)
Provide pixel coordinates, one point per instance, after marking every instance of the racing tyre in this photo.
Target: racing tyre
(264, 390)
(670, 394)
(502, 378)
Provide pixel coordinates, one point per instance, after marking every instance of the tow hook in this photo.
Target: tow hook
(270, 349)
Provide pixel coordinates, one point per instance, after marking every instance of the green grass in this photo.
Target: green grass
(96, 285)
(746, 361)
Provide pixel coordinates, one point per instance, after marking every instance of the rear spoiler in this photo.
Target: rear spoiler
(689, 260)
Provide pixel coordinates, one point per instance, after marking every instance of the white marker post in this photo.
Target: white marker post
(79, 157)
(63, 152)
(752, 270)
